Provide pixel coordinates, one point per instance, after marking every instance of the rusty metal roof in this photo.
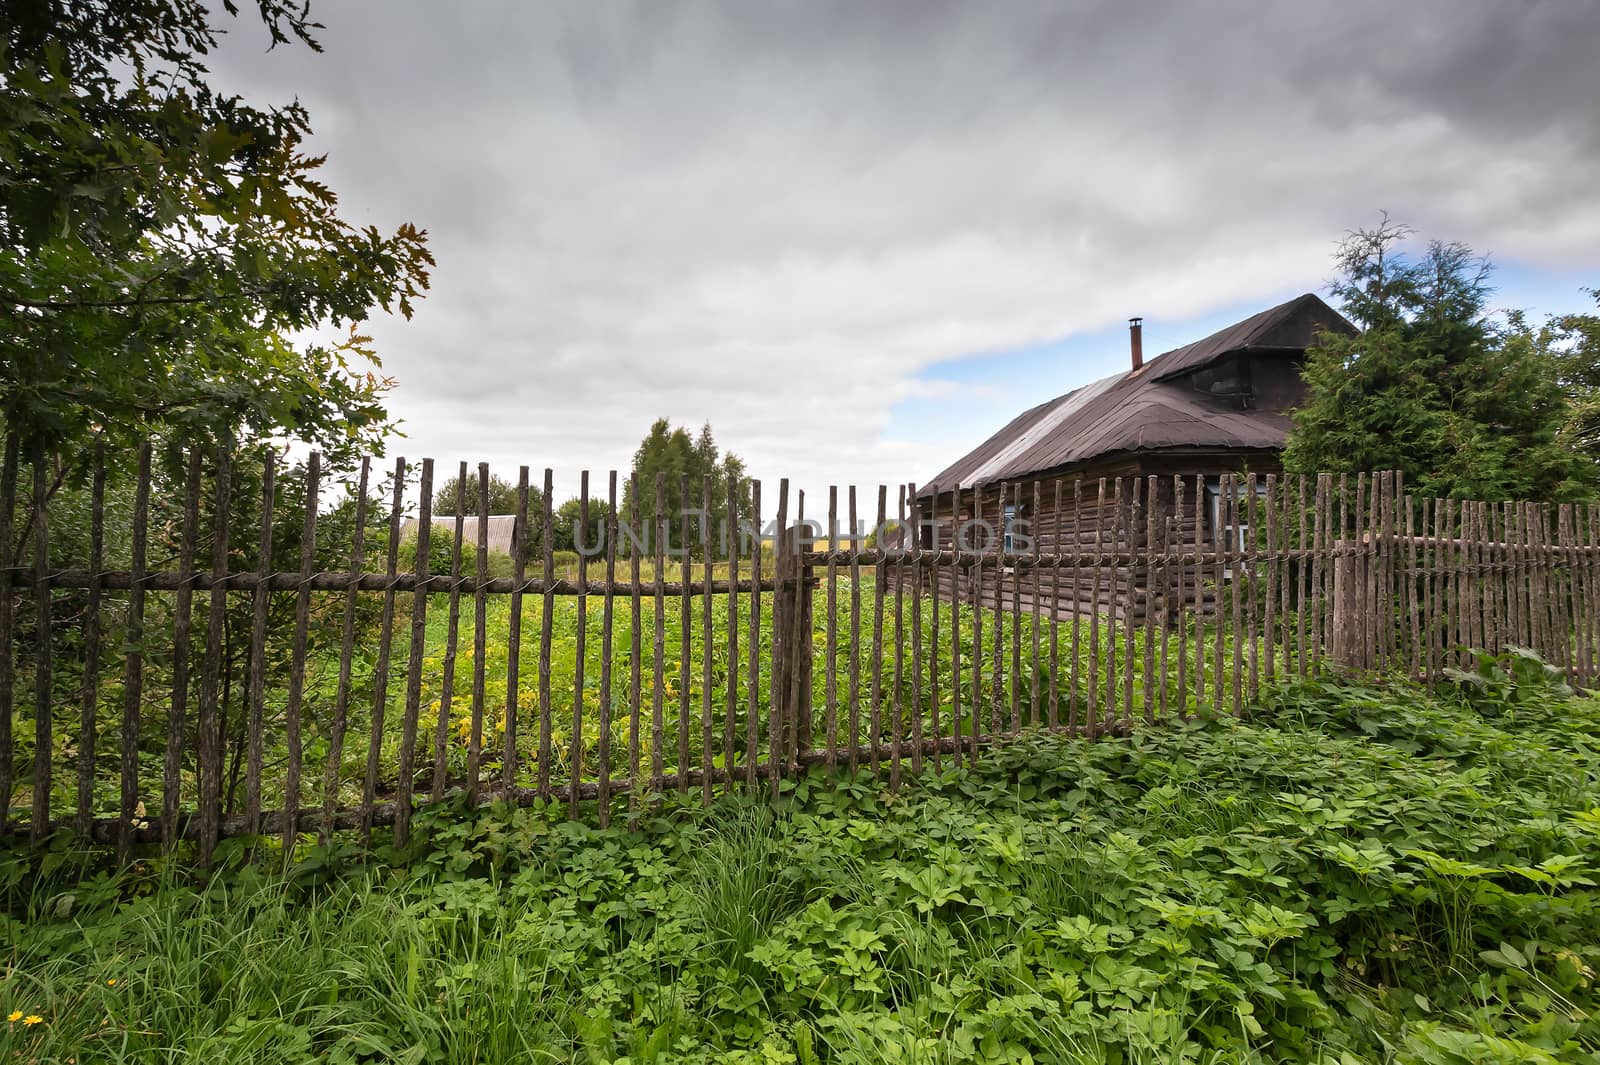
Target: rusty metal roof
(1146, 410)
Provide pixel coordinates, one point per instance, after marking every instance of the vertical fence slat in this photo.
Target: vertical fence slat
(294, 753)
(1549, 551)
(1035, 611)
(1501, 589)
(1131, 520)
(1302, 576)
(1484, 566)
(1476, 547)
(133, 660)
(935, 589)
(1575, 585)
(447, 682)
(1461, 588)
(1151, 617)
(607, 622)
(256, 690)
(1199, 592)
(956, 717)
(1532, 561)
(753, 713)
(1075, 716)
(1378, 610)
(580, 648)
(43, 701)
(997, 694)
(209, 724)
(880, 588)
(1093, 710)
(1238, 589)
(1272, 637)
(546, 626)
(1448, 600)
(1187, 608)
(1219, 571)
(1591, 542)
(1251, 570)
(511, 758)
(9, 557)
(341, 704)
(1409, 586)
(1439, 631)
(917, 734)
(1287, 607)
(635, 640)
(1013, 693)
(800, 686)
(1523, 580)
(830, 678)
(1053, 699)
(1377, 563)
(1119, 694)
(1169, 532)
(183, 615)
(1320, 574)
(1506, 520)
(414, 659)
(731, 715)
(480, 642)
(896, 710)
(708, 639)
(1394, 566)
(1583, 590)
(781, 605)
(975, 588)
(1535, 552)
(1578, 585)
(658, 636)
(91, 644)
(685, 636)
(1566, 607)
(380, 674)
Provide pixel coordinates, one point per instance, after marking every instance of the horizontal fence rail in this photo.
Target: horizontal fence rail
(207, 645)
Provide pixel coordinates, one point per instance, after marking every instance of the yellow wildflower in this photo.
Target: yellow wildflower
(111, 982)
(32, 1019)
(14, 1016)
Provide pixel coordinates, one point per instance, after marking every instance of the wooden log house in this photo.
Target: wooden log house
(1219, 405)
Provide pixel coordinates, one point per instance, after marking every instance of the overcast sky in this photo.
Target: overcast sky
(859, 236)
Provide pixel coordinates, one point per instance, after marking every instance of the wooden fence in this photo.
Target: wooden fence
(188, 682)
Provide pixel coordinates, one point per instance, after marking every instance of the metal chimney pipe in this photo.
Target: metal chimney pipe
(1136, 341)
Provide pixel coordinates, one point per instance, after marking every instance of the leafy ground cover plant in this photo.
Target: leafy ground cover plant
(1353, 874)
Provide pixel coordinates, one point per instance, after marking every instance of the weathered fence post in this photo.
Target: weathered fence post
(791, 642)
(1349, 647)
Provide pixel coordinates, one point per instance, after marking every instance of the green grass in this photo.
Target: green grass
(1350, 874)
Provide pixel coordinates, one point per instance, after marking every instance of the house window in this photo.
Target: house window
(1227, 382)
(1009, 518)
(1235, 533)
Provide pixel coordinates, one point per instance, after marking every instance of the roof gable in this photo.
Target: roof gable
(1147, 409)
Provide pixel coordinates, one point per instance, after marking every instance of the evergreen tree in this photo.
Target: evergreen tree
(669, 452)
(1432, 386)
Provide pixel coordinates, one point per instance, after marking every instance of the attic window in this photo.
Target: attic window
(1226, 381)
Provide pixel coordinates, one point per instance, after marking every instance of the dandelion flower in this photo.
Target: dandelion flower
(32, 1019)
(14, 1016)
(111, 982)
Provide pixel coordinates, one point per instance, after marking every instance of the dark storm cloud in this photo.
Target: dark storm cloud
(777, 215)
